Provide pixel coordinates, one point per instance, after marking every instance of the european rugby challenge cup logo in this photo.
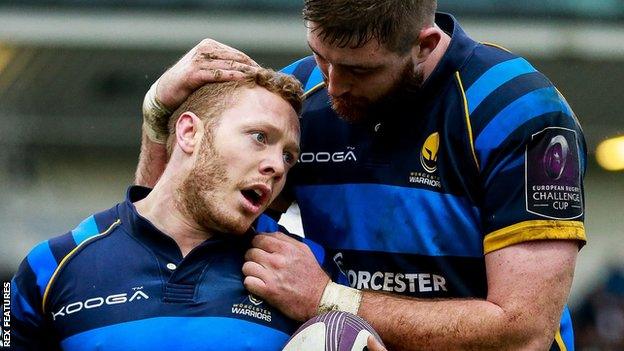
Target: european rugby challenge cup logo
(553, 174)
(555, 157)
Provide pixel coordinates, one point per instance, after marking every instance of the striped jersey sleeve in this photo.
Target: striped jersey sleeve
(529, 148)
(31, 328)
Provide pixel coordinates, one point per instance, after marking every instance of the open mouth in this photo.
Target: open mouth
(257, 196)
(253, 195)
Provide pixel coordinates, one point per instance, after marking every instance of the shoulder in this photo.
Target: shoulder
(507, 98)
(38, 270)
(494, 77)
(307, 72)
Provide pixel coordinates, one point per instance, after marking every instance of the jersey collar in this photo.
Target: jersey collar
(143, 230)
(459, 50)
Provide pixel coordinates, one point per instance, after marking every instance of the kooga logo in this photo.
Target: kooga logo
(96, 302)
(324, 157)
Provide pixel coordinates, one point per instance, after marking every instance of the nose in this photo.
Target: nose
(273, 166)
(337, 83)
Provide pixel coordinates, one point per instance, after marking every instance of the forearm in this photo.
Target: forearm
(457, 324)
(528, 285)
(152, 162)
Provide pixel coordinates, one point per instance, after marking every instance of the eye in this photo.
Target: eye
(360, 71)
(289, 158)
(259, 137)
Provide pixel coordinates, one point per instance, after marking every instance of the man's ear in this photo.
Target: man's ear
(189, 131)
(428, 40)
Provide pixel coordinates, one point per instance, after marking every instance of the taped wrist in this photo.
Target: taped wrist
(155, 117)
(338, 297)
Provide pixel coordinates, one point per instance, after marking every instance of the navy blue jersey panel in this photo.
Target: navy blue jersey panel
(25, 296)
(414, 275)
(62, 245)
(104, 219)
(504, 95)
(26, 337)
(482, 59)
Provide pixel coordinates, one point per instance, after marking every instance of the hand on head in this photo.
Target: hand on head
(208, 62)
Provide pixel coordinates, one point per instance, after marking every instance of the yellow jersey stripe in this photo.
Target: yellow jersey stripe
(559, 341)
(534, 230)
(313, 89)
(495, 45)
(468, 124)
(68, 256)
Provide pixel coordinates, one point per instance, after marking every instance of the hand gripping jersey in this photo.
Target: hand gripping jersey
(487, 155)
(117, 283)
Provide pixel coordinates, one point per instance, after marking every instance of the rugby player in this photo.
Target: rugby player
(161, 270)
(444, 175)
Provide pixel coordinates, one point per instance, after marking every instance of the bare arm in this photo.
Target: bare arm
(152, 162)
(209, 61)
(528, 285)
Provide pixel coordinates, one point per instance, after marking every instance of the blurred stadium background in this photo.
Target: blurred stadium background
(73, 74)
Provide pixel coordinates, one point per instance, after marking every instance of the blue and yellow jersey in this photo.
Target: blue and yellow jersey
(118, 283)
(487, 155)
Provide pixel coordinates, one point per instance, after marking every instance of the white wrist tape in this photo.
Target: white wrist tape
(338, 297)
(155, 117)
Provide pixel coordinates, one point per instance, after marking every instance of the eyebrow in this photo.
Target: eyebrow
(346, 65)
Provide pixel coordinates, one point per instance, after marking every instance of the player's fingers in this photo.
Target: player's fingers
(374, 344)
(255, 285)
(268, 243)
(258, 255)
(287, 238)
(218, 75)
(269, 261)
(227, 65)
(254, 269)
(234, 54)
(242, 58)
(226, 54)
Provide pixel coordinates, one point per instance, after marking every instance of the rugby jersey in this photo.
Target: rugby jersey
(487, 155)
(117, 283)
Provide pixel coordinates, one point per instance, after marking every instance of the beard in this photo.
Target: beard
(358, 109)
(199, 193)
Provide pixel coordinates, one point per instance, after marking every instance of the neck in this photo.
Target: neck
(163, 208)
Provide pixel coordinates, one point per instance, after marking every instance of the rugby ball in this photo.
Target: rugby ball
(332, 331)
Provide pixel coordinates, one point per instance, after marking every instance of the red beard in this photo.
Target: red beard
(357, 109)
(351, 109)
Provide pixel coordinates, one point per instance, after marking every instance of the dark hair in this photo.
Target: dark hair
(209, 101)
(353, 23)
